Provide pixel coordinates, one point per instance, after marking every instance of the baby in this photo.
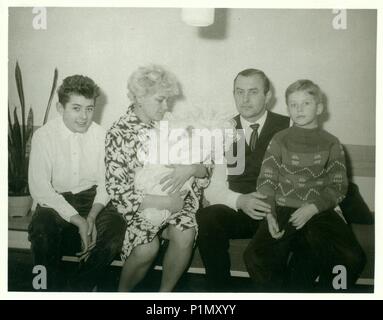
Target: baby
(177, 142)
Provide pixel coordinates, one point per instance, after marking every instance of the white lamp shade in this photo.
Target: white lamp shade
(197, 17)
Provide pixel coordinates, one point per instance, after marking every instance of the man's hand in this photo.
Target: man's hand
(174, 181)
(253, 206)
(273, 227)
(303, 214)
(82, 226)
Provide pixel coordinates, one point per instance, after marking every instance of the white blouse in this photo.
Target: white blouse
(64, 161)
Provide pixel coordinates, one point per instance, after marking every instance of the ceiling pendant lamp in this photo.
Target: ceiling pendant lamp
(198, 17)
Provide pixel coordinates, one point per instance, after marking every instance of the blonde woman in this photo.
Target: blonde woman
(149, 89)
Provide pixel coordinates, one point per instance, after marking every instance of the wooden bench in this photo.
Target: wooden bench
(18, 239)
(362, 161)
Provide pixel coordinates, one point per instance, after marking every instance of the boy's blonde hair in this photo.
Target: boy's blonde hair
(307, 86)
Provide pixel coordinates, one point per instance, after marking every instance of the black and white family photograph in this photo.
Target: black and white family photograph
(191, 150)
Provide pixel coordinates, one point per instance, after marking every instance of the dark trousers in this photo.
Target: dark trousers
(217, 224)
(327, 242)
(52, 237)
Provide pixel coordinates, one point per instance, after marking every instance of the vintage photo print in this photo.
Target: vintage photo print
(190, 149)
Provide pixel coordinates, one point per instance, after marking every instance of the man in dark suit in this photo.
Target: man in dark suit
(236, 208)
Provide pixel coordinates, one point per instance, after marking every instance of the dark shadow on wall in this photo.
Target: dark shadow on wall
(354, 207)
(347, 157)
(325, 116)
(218, 30)
(101, 102)
(273, 101)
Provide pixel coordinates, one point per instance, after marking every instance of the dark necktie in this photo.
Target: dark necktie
(254, 136)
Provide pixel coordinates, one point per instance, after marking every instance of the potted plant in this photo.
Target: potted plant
(19, 143)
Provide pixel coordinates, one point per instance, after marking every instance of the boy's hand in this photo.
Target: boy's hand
(303, 214)
(82, 226)
(273, 227)
(92, 231)
(92, 236)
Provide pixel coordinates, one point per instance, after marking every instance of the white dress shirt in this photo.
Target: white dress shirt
(248, 130)
(64, 161)
(218, 191)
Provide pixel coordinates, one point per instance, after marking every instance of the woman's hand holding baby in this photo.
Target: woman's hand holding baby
(174, 181)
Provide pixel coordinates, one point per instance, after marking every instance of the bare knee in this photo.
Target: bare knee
(183, 239)
(146, 252)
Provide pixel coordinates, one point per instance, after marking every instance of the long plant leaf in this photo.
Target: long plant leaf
(10, 129)
(10, 143)
(29, 124)
(20, 91)
(29, 140)
(12, 171)
(54, 84)
(17, 143)
(11, 153)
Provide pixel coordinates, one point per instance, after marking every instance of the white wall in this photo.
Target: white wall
(108, 44)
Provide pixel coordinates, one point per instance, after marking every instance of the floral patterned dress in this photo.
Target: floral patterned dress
(125, 140)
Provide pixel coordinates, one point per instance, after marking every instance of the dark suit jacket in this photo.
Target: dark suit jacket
(247, 181)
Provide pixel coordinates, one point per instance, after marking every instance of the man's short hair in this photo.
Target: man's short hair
(255, 72)
(307, 86)
(79, 85)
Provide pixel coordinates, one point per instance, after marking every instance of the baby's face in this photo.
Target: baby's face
(180, 146)
(185, 145)
(179, 135)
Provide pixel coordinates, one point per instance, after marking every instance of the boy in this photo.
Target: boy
(304, 177)
(67, 180)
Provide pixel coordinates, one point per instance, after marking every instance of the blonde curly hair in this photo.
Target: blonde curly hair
(148, 80)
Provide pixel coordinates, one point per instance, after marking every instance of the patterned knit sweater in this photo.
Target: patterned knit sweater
(303, 166)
